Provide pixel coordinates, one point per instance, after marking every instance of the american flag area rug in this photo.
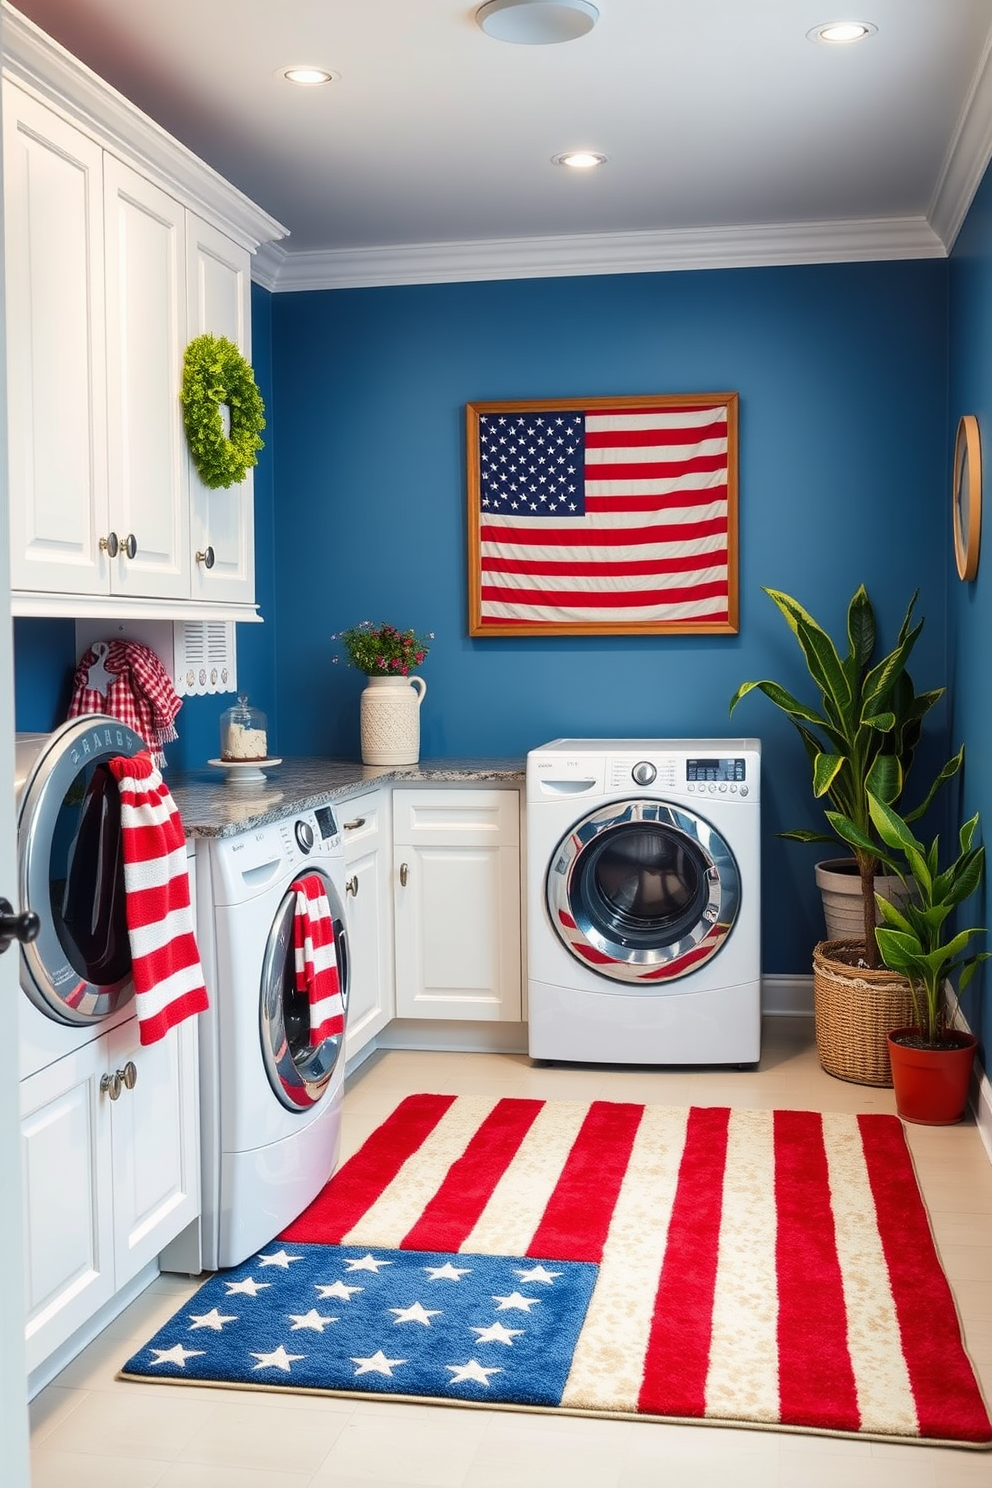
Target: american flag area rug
(772, 1269)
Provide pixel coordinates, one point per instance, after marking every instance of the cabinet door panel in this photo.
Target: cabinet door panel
(223, 520)
(155, 1147)
(146, 335)
(67, 1200)
(53, 194)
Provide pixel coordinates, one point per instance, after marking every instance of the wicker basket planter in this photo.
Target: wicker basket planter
(855, 1010)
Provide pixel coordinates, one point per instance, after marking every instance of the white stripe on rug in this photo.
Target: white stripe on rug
(745, 1302)
(885, 1397)
(402, 1202)
(608, 1364)
(512, 1214)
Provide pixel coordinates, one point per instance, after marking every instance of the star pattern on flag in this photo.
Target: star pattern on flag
(213, 1319)
(176, 1355)
(415, 1313)
(532, 463)
(277, 1359)
(249, 1287)
(278, 1258)
(459, 1346)
(473, 1371)
(516, 1302)
(312, 1319)
(377, 1363)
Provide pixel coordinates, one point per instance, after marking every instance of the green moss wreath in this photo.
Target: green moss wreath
(215, 372)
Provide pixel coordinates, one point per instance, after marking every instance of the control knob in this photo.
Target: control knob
(304, 836)
(644, 772)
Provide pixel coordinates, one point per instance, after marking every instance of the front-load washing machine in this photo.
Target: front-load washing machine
(643, 900)
(270, 1101)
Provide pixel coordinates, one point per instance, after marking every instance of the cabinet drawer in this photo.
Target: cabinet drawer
(452, 818)
(361, 821)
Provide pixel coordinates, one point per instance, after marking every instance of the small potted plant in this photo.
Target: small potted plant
(860, 741)
(391, 699)
(931, 1060)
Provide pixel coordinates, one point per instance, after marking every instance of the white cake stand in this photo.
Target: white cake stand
(245, 772)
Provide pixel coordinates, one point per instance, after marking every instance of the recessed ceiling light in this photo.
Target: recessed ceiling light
(835, 33)
(579, 159)
(536, 22)
(307, 77)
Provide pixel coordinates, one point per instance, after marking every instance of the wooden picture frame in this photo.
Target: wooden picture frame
(603, 516)
(966, 497)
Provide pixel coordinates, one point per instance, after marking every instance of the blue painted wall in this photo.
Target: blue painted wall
(360, 511)
(842, 375)
(970, 610)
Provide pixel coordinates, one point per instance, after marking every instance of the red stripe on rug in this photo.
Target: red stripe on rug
(577, 1218)
(816, 1377)
(948, 1400)
(359, 1182)
(678, 1352)
(451, 1214)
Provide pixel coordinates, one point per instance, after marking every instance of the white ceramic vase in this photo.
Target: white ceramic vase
(390, 718)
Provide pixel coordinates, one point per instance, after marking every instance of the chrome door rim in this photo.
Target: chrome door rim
(646, 965)
(297, 1084)
(52, 982)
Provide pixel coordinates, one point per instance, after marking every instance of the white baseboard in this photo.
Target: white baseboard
(787, 996)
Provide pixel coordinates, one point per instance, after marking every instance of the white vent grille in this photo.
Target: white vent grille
(205, 657)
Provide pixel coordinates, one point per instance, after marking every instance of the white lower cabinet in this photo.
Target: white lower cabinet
(365, 832)
(456, 876)
(107, 1183)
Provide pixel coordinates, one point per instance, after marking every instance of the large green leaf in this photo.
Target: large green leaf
(885, 779)
(825, 771)
(780, 697)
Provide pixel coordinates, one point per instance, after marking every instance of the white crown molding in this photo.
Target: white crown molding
(967, 157)
(770, 244)
(36, 62)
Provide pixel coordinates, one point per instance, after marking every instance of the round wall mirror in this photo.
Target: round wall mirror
(966, 496)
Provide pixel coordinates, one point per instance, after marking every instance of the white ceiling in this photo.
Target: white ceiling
(731, 138)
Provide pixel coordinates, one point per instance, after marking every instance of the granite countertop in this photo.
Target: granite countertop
(213, 806)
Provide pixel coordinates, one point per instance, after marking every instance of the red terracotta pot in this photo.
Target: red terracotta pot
(931, 1085)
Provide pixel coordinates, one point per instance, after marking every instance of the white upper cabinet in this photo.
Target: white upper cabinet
(222, 519)
(53, 188)
(145, 253)
(120, 247)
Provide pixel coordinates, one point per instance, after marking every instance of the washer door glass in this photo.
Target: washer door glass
(298, 1072)
(643, 892)
(72, 873)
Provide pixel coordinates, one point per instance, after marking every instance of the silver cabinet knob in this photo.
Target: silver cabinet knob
(207, 558)
(129, 547)
(351, 886)
(354, 824)
(129, 1074)
(111, 1085)
(404, 874)
(110, 545)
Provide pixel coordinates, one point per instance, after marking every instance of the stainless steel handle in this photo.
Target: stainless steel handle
(404, 873)
(351, 886)
(110, 545)
(353, 826)
(129, 547)
(207, 558)
(111, 1085)
(129, 1074)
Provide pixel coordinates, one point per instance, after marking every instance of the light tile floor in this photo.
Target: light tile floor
(90, 1429)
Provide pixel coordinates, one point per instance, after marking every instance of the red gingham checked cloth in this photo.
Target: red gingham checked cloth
(168, 977)
(139, 693)
(316, 958)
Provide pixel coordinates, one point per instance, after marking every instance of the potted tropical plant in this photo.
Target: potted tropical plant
(860, 742)
(931, 1059)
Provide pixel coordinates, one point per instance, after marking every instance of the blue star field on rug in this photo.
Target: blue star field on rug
(499, 1329)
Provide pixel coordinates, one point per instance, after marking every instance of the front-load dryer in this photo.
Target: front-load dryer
(76, 976)
(270, 1101)
(643, 901)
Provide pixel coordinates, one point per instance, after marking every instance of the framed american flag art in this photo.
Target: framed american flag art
(598, 516)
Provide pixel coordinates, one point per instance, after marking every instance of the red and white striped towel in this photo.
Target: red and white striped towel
(316, 958)
(168, 977)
